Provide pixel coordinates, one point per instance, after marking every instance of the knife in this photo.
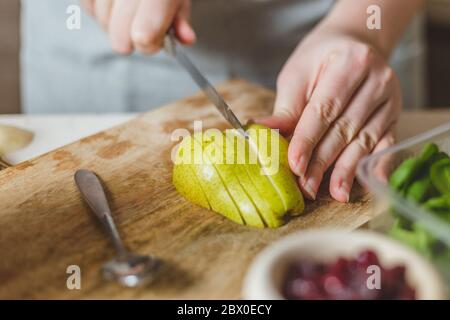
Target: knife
(173, 49)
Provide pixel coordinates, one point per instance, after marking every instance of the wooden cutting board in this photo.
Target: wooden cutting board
(46, 227)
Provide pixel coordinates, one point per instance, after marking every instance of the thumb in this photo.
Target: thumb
(289, 103)
(285, 122)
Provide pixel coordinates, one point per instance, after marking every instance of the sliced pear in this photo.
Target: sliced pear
(208, 179)
(260, 181)
(270, 218)
(183, 172)
(283, 180)
(230, 179)
(266, 189)
(244, 189)
(196, 195)
(269, 207)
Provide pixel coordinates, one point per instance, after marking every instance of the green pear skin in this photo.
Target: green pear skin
(231, 181)
(209, 184)
(245, 191)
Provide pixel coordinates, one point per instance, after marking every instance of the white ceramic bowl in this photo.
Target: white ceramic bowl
(265, 276)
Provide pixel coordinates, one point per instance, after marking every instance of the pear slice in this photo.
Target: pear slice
(13, 139)
(264, 205)
(196, 195)
(260, 181)
(283, 180)
(184, 172)
(237, 191)
(209, 180)
(266, 189)
(270, 218)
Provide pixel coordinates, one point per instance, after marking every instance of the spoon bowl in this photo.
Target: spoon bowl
(132, 270)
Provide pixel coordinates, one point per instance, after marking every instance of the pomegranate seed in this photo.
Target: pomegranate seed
(367, 258)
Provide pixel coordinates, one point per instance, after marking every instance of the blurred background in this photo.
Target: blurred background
(9, 56)
(435, 77)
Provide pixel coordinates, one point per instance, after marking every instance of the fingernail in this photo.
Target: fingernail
(192, 34)
(344, 190)
(311, 188)
(301, 180)
(300, 168)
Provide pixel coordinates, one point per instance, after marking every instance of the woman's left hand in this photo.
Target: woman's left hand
(339, 100)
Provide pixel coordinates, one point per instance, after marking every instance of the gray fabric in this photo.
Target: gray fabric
(409, 63)
(67, 71)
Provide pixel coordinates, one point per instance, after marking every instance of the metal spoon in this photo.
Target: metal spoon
(127, 268)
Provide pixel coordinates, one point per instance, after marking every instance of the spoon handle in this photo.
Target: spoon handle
(94, 194)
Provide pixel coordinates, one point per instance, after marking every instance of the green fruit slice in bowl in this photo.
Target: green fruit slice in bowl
(246, 180)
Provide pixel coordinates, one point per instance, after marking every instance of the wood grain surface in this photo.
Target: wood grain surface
(45, 226)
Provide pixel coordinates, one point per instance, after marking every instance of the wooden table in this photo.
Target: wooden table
(46, 227)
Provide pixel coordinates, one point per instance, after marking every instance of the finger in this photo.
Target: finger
(152, 20)
(340, 188)
(340, 77)
(344, 170)
(284, 121)
(292, 88)
(182, 24)
(383, 165)
(373, 94)
(120, 25)
(103, 12)
(89, 6)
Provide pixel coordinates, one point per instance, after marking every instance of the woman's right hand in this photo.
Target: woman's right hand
(142, 24)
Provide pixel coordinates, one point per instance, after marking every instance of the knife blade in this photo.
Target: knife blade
(173, 49)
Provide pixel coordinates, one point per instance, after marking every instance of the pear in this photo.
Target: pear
(196, 195)
(269, 207)
(229, 176)
(263, 205)
(13, 139)
(284, 183)
(207, 189)
(248, 180)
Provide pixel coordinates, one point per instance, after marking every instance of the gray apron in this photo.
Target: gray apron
(75, 71)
